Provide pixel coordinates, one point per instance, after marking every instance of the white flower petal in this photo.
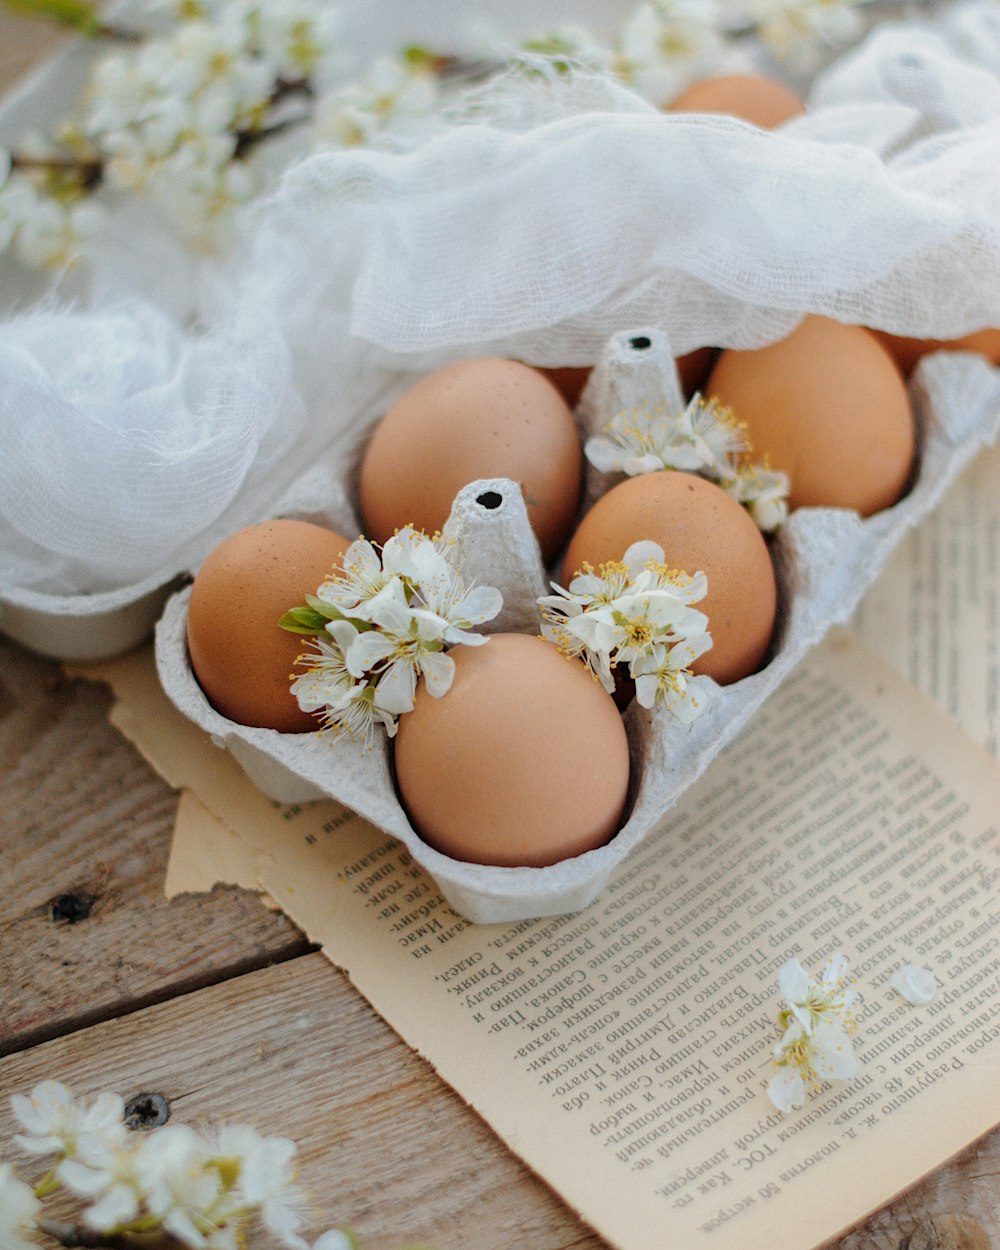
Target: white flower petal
(917, 985)
(787, 1090)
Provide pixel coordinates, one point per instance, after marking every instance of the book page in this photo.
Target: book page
(623, 1052)
(934, 612)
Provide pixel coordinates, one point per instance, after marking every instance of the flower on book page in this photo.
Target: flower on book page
(817, 1024)
(917, 985)
(805, 1057)
(19, 1209)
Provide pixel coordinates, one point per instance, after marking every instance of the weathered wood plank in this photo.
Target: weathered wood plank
(384, 1144)
(85, 826)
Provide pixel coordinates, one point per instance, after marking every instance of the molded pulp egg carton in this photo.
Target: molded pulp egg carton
(825, 558)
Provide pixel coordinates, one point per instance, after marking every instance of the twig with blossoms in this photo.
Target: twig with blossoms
(705, 438)
(173, 117)
(379, 624)
(635, 612)
(203, 1190)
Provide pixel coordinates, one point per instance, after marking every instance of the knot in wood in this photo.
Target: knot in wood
(70, 908)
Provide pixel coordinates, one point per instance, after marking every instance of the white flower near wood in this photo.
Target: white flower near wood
(204, 1189)
(19, 1210)
(57, 1124)
(635, 613)
(817, 1024)
(917, 985)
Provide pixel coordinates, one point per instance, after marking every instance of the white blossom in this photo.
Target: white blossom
(57, 1123)
(335, 1239)
(394, 94)
(112, 1176)
(184, 1191)
(667, 44)
(917, 985)
(805, 1057)
(634, 612)
(795, 30)
(265, 1180)
(390, 620)
(19, 1209)
(817, 1024)
(763, 492)
(298, 37)
(703, 438)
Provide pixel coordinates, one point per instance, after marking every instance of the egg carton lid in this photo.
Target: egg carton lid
(825, 559)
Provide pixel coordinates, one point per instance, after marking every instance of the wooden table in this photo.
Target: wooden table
(223, 1007)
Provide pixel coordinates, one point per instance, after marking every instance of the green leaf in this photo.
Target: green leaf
(324, 609)
(302, 621)
(78, 15)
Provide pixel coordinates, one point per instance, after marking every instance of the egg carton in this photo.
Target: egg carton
(825, 558)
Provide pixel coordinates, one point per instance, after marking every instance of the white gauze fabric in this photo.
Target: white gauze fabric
(123, 437)
(553, 212)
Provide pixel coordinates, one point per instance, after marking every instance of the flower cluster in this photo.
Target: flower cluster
(635, 612)
(170, 118)
(706, 439)
(380, 623)
(202, 1189)
(817, 1026)
(174, 116)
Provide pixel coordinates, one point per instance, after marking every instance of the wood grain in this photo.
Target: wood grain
(85, 827)
(384, 1145)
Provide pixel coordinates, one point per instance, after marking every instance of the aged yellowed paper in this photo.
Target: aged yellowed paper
(934, 612)
(624, 1052)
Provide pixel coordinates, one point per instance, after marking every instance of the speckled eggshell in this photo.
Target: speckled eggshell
(240, 656)
(909, 352)
(473, 419)
(524, 762)
(701, 529)
(752, 97)
(827, 405)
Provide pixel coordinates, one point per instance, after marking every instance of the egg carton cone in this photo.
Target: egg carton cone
(825, 559)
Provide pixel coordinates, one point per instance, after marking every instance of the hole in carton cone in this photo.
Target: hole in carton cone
(489, 499)
(640, 343)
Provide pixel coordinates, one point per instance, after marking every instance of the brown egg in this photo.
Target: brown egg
(474, 419)
(828, 406)
(701, 529)
(908, 352)
(694, 367)
(753, 97)
(240, 656)
(569, 381)
(523, 762)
